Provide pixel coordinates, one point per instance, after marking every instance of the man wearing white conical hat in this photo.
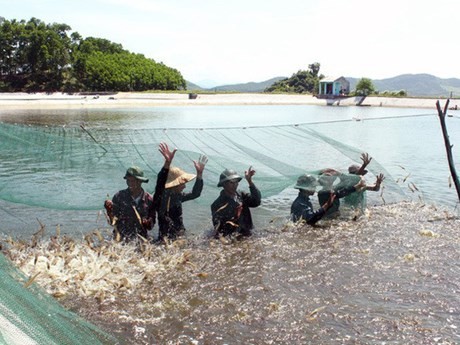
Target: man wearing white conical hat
(170, 219)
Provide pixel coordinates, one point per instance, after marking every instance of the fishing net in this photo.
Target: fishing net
(28, 315)
(71, 168)
(76, 168)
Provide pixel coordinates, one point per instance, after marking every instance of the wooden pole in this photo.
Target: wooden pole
(442, 118)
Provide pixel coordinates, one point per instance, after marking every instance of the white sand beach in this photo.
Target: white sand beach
(134, 99)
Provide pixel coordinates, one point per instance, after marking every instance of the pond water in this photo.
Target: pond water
(390, 277)
(407, 143)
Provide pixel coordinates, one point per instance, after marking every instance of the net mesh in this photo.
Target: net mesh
(28, 315)
(77, 168)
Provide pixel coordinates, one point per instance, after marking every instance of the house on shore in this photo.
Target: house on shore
(331, 87)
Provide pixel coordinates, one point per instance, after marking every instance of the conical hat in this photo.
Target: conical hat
(177, 176)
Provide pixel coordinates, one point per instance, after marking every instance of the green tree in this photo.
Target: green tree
(35, 56)
(101, 65)
(10, 53)
(300, 82)
(314, 69)
(128, 72)
(365, 87)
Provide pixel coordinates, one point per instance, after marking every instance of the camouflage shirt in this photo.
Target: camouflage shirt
(136, 218)
(224, 212)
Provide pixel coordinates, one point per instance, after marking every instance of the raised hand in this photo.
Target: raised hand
(248, 174)
(200, 164)
(167, 154)
(379, 180)
(366, 160)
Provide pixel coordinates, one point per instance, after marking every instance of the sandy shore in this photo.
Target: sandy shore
(128, 99)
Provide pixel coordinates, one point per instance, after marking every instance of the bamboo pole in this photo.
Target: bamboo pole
(442, 118)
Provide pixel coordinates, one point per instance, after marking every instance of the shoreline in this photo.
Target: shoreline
(138, 99)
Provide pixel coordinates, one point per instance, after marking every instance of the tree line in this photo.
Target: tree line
(40, 57)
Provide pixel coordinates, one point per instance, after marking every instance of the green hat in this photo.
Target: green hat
(228, 175)
(137, 173)
(306, 182)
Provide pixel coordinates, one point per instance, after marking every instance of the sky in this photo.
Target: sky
(218, 42)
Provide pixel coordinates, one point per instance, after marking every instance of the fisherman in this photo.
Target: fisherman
(360, 170)
(355, 169)
(344, 187)
(170, 219)
(230, 211)
(302, 208)
(358, 199)
(132, 210)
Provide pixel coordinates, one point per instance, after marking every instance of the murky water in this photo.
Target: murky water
(390, 277)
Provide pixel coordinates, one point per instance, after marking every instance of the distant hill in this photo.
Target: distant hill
(247, 87)
(193, 87)
(416, 85)
(423, 85)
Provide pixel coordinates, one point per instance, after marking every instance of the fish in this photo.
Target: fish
(31, 280)
(312, 315)
(405, 178)
(222, 207)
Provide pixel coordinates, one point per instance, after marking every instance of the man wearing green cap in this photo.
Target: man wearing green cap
(302, 208)
(230, 211)
(132, 210)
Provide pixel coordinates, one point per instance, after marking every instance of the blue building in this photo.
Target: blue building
(331, 87)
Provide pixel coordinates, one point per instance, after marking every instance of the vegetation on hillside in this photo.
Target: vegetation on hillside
(300, 82)
(35, 57)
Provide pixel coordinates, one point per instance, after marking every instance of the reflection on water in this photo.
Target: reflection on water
(389, 277)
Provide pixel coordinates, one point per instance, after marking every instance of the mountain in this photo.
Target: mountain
(193, 87)
(422, 85)
(247, 87)
(416, 85)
